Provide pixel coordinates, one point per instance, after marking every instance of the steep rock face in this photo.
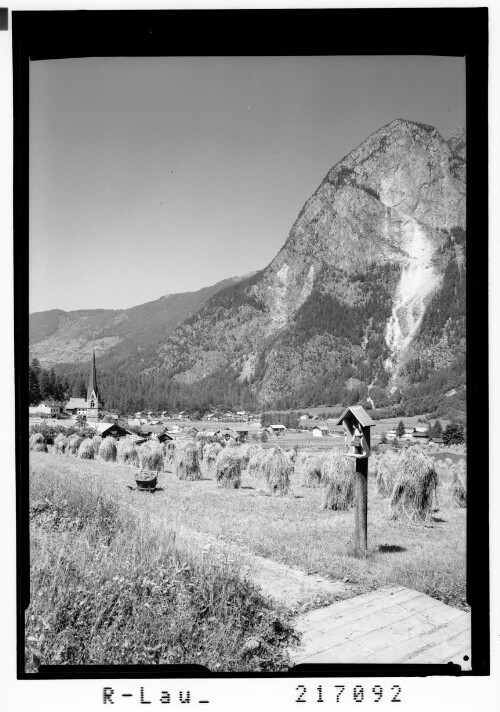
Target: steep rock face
(389, 205)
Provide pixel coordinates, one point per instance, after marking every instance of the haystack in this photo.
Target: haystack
(60, 443)
(169, 452)
(199, 449)
(458, 484)
(312, 471)
(337, 475)
(187, 463)
(212, 455)
(107, 449)
(37, 443)
(86, 450)
(415, 488)
(151, 456)
(278, 469)
(228, 468)
(96, 442)
(126, 452)
(387, 468)
(255, 464)
(73, 444)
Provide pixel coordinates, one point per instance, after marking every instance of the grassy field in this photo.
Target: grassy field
(295, 530)
(112, 587)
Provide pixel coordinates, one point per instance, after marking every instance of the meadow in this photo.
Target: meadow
(112, 585)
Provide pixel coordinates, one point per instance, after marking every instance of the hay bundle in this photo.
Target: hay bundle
(73, 444)
(107, 449)
(388, 467)
(212, 455)
(169, 452)
(291, 454)
(187, 464)
(37, 443)
(312, 471)
(199, 448)
(228, 468)
(96, 442)
(60, 443)
(415, 488)
(255, 464)
(245, 452)
(126, 452)
(151, 456)
(278, 468)
(458, 485)
(86, 450)
(337, 475)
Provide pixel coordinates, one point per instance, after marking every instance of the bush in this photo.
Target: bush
(278, 468)
(86, 450)
(107, 449)
(415, 488)
(187, 464)
(228, 468)
(151, 456)
(337, 474)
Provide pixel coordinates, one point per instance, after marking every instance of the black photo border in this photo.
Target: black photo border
(431, 31)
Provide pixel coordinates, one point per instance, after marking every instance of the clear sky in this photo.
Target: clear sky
(150, 176)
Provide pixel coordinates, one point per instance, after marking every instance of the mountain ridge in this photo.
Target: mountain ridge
(347, 294)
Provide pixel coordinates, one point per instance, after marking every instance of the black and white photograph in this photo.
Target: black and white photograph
(246, 362)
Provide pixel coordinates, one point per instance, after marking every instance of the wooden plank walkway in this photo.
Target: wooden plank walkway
(390, 625)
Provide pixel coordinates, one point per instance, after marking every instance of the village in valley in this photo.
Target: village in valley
(232, 427)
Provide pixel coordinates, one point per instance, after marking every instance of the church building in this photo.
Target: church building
(91, 407)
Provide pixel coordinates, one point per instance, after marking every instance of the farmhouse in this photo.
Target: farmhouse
(229, 435)
(242, 432)
(113, 429)
(48, 407)
(436, 441)
(420, 433)
(277, 429)
(157, 432)
(320, 432)
(76, 406)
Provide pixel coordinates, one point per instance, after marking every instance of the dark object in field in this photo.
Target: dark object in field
(146, 480)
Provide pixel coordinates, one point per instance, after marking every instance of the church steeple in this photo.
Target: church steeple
(93, 404)
(92, 389)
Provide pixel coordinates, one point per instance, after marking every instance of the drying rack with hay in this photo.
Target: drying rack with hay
(415, 489)
(228, 468)
(337, 476)
(187, 464)
(278, 469)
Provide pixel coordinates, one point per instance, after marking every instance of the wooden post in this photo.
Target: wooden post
(361, 529)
